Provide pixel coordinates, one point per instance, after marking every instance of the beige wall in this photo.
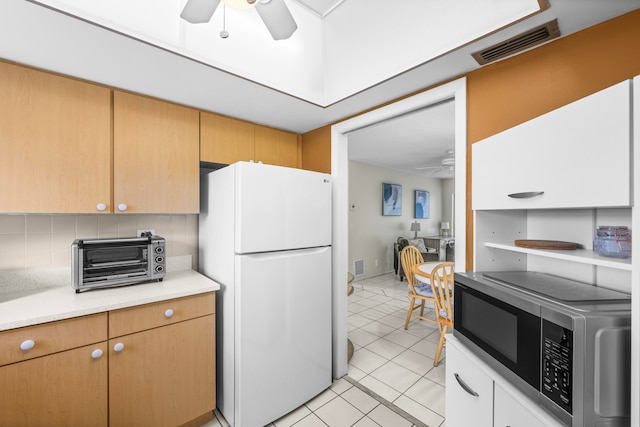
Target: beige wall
(371, 235)
(44, 241)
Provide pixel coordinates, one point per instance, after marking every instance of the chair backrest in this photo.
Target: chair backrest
(409, 257)
(442, 286)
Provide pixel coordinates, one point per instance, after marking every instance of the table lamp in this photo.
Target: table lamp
(415, 227)
(444, 226)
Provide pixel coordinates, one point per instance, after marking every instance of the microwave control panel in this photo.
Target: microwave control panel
(557, 356)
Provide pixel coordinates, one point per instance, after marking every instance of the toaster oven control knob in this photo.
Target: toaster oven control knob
(122, 207)
(27, 345)
(118, 347)
(159, 269)
(96, 354)
(101, 207)
(168, 313)
(159, 249)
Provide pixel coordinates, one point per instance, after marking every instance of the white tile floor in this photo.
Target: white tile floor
(391, 380)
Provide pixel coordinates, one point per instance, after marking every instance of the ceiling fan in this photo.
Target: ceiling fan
(274, 13)
(448, 163)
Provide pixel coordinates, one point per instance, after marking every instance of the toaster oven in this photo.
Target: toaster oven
(100, 263)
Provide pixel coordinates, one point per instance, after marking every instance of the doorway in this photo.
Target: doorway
(455, 91)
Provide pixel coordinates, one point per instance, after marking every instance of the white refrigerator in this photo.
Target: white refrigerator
(265, 237)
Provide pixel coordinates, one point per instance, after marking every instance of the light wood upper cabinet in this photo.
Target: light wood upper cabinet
(155, 155)
(55, 143)
(277, 147)
(226, 140)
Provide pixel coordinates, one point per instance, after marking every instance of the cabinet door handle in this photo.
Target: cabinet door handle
(464, 386)
(168, 313)
(525, 195)
(96, 354)
(27, 345)
(101, 207)
(118, 347)
(122, 207)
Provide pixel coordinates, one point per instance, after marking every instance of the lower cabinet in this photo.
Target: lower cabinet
(63, 389)
(469, 391)
(477, 396)
(149, 365)
(55, 374)
(508, 412)
(164, 376)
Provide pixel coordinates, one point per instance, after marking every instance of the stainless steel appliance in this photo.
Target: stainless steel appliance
(564, 343)
(99, 263)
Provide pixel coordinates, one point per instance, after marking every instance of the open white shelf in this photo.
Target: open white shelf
(583, 256)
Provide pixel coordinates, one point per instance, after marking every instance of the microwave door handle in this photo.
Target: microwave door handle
(464, 386)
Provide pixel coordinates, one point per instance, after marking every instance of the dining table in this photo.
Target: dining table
(423, 271)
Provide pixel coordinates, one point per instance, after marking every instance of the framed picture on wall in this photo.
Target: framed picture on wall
(391, 199)
(422, 204)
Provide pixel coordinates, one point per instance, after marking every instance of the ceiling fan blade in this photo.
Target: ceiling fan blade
(277, 18)
(199, 11)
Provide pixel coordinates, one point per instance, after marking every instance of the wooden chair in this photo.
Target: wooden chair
(442, 287)
(409, 257)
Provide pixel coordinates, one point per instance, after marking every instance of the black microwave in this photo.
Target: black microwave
(565, 344)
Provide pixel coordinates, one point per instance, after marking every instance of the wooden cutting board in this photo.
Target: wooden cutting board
(546, 244)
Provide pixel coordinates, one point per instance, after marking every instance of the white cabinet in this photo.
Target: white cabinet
(509, 412)
(580, 157)
(477, 396)
(469, 391)
(575, 156)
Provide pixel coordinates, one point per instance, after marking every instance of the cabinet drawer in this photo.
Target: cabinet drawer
(52, 337)
(148, 316)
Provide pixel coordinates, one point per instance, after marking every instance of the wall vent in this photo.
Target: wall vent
(358, 267)
(531, 38)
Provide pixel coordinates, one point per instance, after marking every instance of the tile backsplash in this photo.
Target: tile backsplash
(44, 241)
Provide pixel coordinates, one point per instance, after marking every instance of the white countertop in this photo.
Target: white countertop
(37, 296)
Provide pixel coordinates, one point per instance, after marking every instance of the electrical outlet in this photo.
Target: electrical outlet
(146, 230)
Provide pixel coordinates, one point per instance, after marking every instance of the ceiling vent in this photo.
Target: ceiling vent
(531, 38)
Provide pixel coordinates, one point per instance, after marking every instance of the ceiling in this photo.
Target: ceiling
(347, 56)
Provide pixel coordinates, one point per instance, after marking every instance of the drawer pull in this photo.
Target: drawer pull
(27, 345)
(525, 195)
(96, 354)
(464, 386)
(118, 347)
(168, 313)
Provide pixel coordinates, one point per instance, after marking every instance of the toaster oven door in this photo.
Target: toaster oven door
(113, 260)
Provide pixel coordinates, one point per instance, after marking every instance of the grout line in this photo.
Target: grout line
(386, 403)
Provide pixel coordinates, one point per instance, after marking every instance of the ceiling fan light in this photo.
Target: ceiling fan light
(239, 4)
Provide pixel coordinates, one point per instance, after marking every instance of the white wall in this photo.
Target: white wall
(371, 235)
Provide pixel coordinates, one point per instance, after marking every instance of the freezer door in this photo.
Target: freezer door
(283, 332)
(280, 208)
